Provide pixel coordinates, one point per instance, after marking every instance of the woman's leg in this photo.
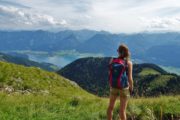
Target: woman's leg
(123, 105)
(111, 106)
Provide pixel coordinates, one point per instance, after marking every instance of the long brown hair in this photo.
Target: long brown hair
(123, 51)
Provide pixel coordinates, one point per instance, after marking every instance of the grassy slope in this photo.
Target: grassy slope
(149, 71)
(35, 80)
(52, 97)
(160, 81)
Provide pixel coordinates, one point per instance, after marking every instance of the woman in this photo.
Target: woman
(124, 83)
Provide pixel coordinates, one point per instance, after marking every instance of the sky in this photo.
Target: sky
(116, 16)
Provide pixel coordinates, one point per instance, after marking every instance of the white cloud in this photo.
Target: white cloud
(27, 18)
(161, 23)
(110, 15)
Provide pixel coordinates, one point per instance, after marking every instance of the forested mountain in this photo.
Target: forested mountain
(149, 79)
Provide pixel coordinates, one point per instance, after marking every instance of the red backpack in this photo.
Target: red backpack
(118, 77)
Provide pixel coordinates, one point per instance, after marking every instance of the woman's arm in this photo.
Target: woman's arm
(130, 78)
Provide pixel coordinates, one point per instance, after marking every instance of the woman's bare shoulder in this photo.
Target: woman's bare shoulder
(129, 63)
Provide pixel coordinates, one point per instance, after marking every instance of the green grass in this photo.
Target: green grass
(148, 71)
(35, 107)
(52, 97)
(47, 107)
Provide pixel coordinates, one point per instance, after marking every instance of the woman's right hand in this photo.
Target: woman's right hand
(131, 89)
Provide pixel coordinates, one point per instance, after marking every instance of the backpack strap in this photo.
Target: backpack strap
(111, 60)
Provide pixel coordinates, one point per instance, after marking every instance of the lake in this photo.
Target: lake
(60, 59)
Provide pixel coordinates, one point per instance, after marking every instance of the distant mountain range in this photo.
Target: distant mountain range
(43, 40)
(158, 48)
(149, 79)
(23, 60)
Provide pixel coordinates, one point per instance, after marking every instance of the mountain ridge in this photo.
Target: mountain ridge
(92, 74)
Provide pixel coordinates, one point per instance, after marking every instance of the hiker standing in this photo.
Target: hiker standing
(120, 80)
